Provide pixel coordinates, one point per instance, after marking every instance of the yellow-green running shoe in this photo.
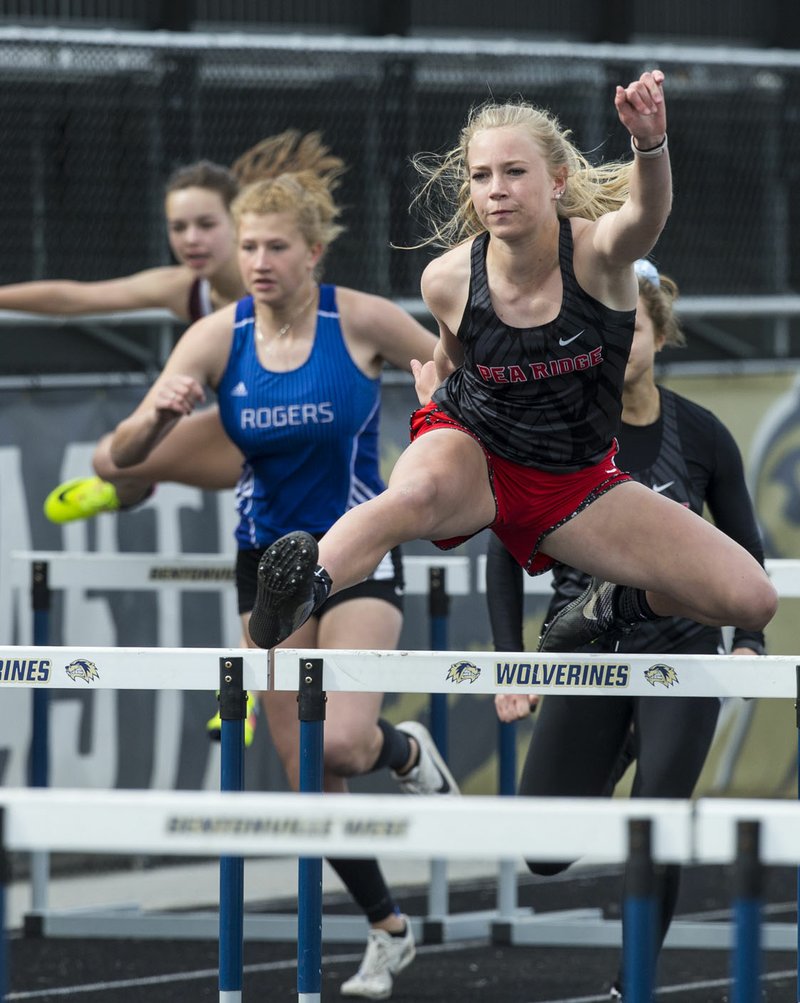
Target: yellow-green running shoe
(214, 725)
(80, 498)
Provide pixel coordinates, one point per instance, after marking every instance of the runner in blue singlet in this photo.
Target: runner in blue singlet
(296, 369)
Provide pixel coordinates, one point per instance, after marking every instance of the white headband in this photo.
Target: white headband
(647, 270)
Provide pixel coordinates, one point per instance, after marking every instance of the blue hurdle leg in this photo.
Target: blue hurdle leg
(639, 916)
(232, 711)
(4, 878)
(747, 913)
(40, 731)
(311, 712)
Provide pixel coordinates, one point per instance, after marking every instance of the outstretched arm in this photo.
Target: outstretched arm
(633, 230)
(166, 288)
(196, 361)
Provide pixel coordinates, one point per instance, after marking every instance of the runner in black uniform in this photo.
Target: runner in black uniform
(680, 450)
(536, 321)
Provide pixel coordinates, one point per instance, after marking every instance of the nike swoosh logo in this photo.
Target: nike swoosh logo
(658, 488)
(566, 341)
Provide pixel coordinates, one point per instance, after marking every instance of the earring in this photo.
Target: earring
(558, 194)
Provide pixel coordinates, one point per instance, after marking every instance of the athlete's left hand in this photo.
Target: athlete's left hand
(515, 706)
(642, 110)
(425, 380)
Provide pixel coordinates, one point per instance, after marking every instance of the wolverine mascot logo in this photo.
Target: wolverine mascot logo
(83, 669)
(460, 672)
(661, 673)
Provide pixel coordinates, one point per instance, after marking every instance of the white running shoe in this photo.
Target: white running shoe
(430, 775)
(384, 957)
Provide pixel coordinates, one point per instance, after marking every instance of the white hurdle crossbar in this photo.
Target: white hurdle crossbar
(513, 672)
(195, 572)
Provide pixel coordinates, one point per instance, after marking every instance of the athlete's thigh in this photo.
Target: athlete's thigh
(449, 468)
(633, 535)
(196, 452)
(575, 744)
(363, 622)
(675, 734)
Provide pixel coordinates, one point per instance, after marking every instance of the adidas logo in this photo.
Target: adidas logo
(240, 390)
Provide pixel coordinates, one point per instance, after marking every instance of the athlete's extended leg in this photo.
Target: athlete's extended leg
(573, 751)
(669, 561)
(197, 452)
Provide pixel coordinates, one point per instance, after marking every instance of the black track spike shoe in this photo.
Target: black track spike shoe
(290, 588)
(586, 621)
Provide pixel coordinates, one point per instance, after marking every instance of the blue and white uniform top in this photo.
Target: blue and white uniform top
(309, 436)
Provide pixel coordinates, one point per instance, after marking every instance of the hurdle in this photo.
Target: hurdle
(188, 823)
(522, 926)
(437, 577)
(769, 676)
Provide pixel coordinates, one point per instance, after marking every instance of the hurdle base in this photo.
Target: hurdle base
(588, 928)
(475, 925)
(130, 921)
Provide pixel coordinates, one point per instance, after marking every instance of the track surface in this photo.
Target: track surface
(160, 971)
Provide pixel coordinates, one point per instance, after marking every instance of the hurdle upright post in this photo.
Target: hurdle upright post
(232, 712)
(639, 915)
(438, 610)
(797, 725)
(5, 878)
(311, 701)
(507, 786)
(40, 731)
(747, 882)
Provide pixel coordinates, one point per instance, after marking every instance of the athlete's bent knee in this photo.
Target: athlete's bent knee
(346, 758)
(758, 604)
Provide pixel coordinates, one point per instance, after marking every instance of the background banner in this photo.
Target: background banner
(143, 739)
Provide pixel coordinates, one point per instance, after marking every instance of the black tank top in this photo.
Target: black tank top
(547, 396)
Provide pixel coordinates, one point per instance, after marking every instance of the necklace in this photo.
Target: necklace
(283, 331)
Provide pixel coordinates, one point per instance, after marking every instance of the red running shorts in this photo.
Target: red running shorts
(530, 503)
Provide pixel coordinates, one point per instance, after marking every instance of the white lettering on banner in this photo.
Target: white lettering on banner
(282, 415)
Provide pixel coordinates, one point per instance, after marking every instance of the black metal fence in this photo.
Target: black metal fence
(92, 123)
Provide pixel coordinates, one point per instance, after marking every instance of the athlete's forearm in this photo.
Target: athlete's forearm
(136, 437)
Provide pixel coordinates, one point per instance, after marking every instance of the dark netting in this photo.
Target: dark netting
(91, 130)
